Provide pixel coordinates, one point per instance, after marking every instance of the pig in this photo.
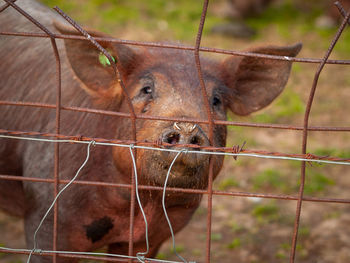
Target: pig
(161, 82)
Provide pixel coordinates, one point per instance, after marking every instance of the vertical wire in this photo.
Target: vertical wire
(57, 147)
(305, 136)
(164, 209)
(119, 78)
(140, 255)
(55, 200)
(211, 127)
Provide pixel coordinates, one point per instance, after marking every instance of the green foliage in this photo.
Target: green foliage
(304, 232)
(316, 182)
(286, 16)
(282, 16)
(66, 6)
(236, 242)
(343, 47)
(284, 250)
(266, 212)
(216, 236)
(345, 153)
(290, 21)
(180, 17)
(271, 179)
(281, 255)
(227, 183)
(235, 227)
(287, 106)
(104, 60)
(268, 179)
(161, 256)
(179, 248)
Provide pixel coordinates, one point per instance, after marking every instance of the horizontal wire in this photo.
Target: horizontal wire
(182, 119)
(42, 251)
(182, 47)
(179, 150)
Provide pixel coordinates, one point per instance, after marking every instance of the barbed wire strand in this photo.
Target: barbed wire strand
(178, 150)
(56, 198)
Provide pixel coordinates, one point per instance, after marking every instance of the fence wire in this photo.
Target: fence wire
(133, 144)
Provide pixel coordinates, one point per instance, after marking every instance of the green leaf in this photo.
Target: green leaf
(104, 60)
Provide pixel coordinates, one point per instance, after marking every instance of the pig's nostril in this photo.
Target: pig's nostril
(196, 140)
(172, 138)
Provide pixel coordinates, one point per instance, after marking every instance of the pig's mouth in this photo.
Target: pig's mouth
(179, 170)
(181, 174)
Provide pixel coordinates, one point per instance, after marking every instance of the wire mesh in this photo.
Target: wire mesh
(304, 157)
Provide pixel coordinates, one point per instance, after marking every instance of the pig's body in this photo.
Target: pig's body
(89, 217)
(160, 82)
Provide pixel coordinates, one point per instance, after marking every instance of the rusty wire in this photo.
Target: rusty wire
(181, 47)
(305, 133)
(233, 150)
(58, 112)
(305, 128)
(131, 109)
(175, 119)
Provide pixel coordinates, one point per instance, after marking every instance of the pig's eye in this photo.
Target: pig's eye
(216, 101)
(146, 90)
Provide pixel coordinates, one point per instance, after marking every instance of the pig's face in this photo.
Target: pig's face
(167, 85)
(164, 82)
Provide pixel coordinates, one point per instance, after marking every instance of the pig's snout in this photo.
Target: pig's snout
(185, 133)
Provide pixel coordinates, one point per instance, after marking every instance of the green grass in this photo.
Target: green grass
(236, 242)
(180, 18)
(286, 16)
(216, 236)
(289, 22)
(345, 153)
(316, 182)
(285, 108)
(162, 256)
(179, 248)
(271, 179)
(228, 183)
(239, 133)
(265, 213)
(304, 232)
(235, 227)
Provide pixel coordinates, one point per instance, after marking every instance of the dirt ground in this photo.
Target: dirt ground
(258, 230)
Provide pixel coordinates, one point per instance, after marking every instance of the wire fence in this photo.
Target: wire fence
(57, 138)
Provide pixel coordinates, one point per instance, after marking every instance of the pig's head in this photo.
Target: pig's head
(164, 82)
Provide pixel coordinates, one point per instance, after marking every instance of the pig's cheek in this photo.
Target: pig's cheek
(122, 159)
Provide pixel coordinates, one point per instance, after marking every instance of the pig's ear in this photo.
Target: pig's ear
(254, 82)
(93, 68)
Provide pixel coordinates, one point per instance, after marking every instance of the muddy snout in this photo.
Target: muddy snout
(185, 133)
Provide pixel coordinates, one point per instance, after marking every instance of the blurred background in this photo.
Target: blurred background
(252, 230)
